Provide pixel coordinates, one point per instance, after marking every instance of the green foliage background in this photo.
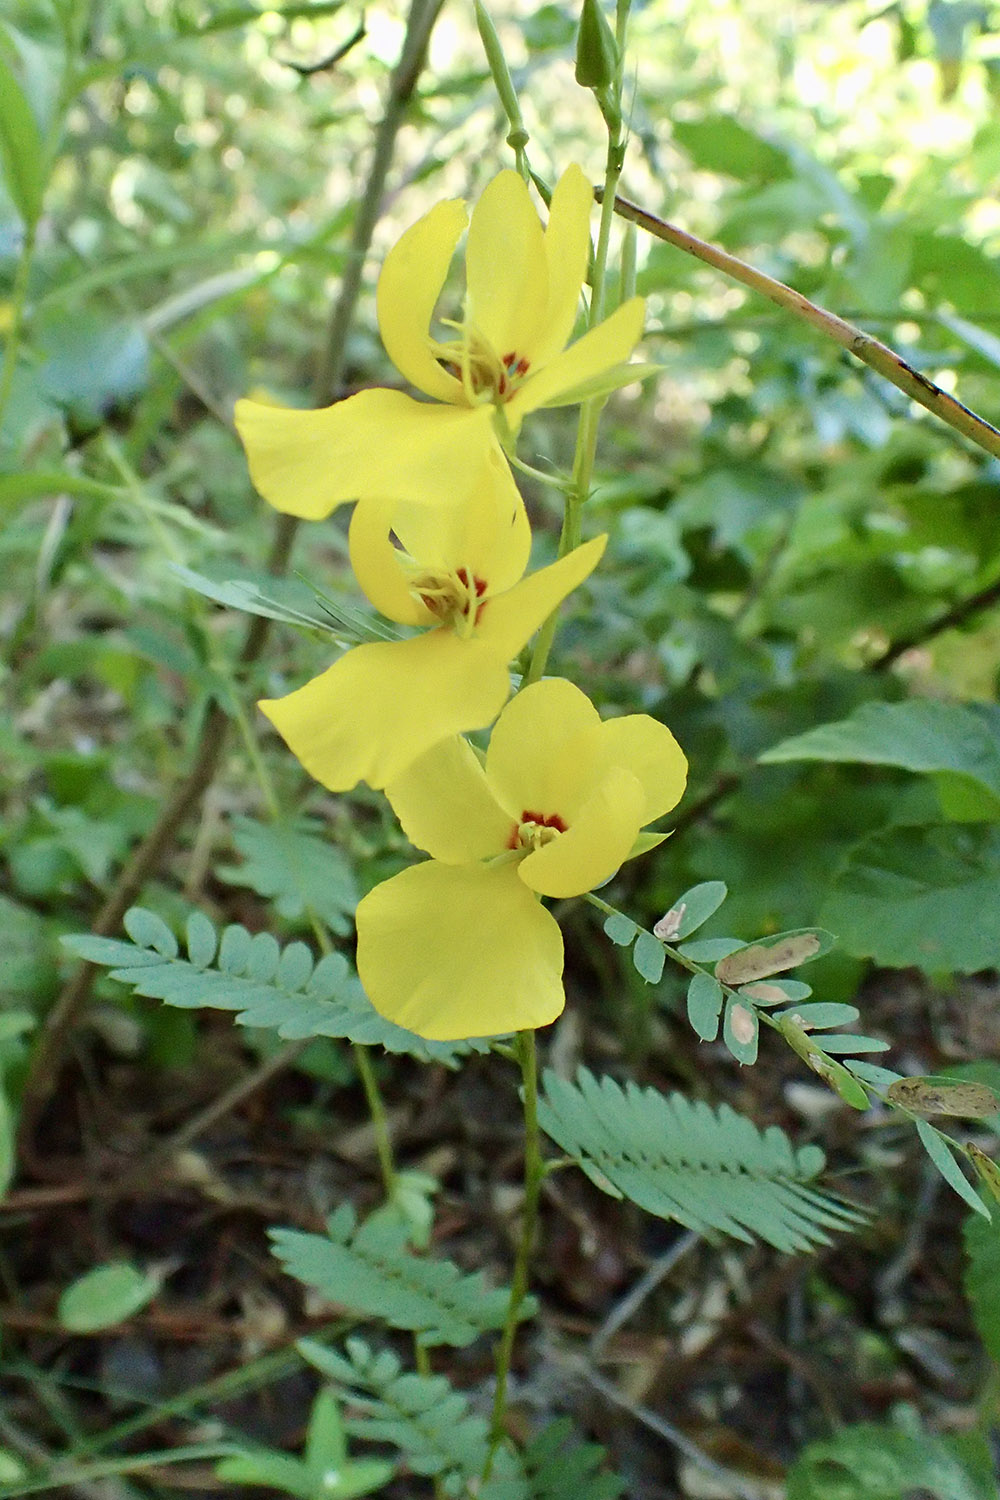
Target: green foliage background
(792, 545)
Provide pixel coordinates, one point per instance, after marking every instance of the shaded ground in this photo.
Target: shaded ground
(747, 1353)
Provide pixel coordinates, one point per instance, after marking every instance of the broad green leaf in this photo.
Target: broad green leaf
(820, 1016)
(982, 1278)
(721, 144)
(921, 734)
(938, 1148)
(105, 1296)
(648, 957)
(690, 910)
(620, 929)
(22, 150)
(916, 896)
(709, 950)
(871, 1461)
(704, 1005)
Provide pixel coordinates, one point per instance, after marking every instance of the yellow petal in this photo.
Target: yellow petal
(446, 808)
(458, 951)
(506, 269)
(379, 442)
(509, 622)
(567, 247)
(598, 840)
(486, 532)
(643, 746)
(408, 288)
(380, 706)
(522, 759)
(602, 347)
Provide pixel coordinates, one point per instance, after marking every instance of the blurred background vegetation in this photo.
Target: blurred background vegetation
(790, 538)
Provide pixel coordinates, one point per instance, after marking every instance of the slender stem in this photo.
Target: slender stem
(420, 23)
(18, 302)
(64, 1475)
(878, 356)
(590, 412)
(362, 1058)
(534, 1173)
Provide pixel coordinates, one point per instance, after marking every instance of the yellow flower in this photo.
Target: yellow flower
(508, 357)
(456, 947)
(457, 570)
(523, 287)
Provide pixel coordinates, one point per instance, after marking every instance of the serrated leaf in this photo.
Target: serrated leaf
(369, 1269)
(295, 868)
(22, 151)
(709, 1170)
(704, 1005)
(649, 958)
(741, 1032)
(939, 1149)
(691, 910)
(620, 929)
(773, 955)
(937, 1096)
(916, 896)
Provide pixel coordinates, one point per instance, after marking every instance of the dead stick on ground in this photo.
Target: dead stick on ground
(870, 351)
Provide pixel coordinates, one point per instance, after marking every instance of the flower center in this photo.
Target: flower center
(535, 830)
(454, 598)
(485, 375)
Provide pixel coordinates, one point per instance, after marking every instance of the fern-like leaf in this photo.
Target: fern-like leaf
(559, 1467)
(711, 1170)
(285, 990)
(294, 868)
(420, 1415)
(369, 1269)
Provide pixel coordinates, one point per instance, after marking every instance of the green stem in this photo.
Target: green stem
(590, 412)
(18, 302)
(362, 1058)
(534, 1173)
(62, 1476)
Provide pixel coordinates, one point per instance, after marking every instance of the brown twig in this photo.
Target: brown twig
(863, 346)
(956, 615)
